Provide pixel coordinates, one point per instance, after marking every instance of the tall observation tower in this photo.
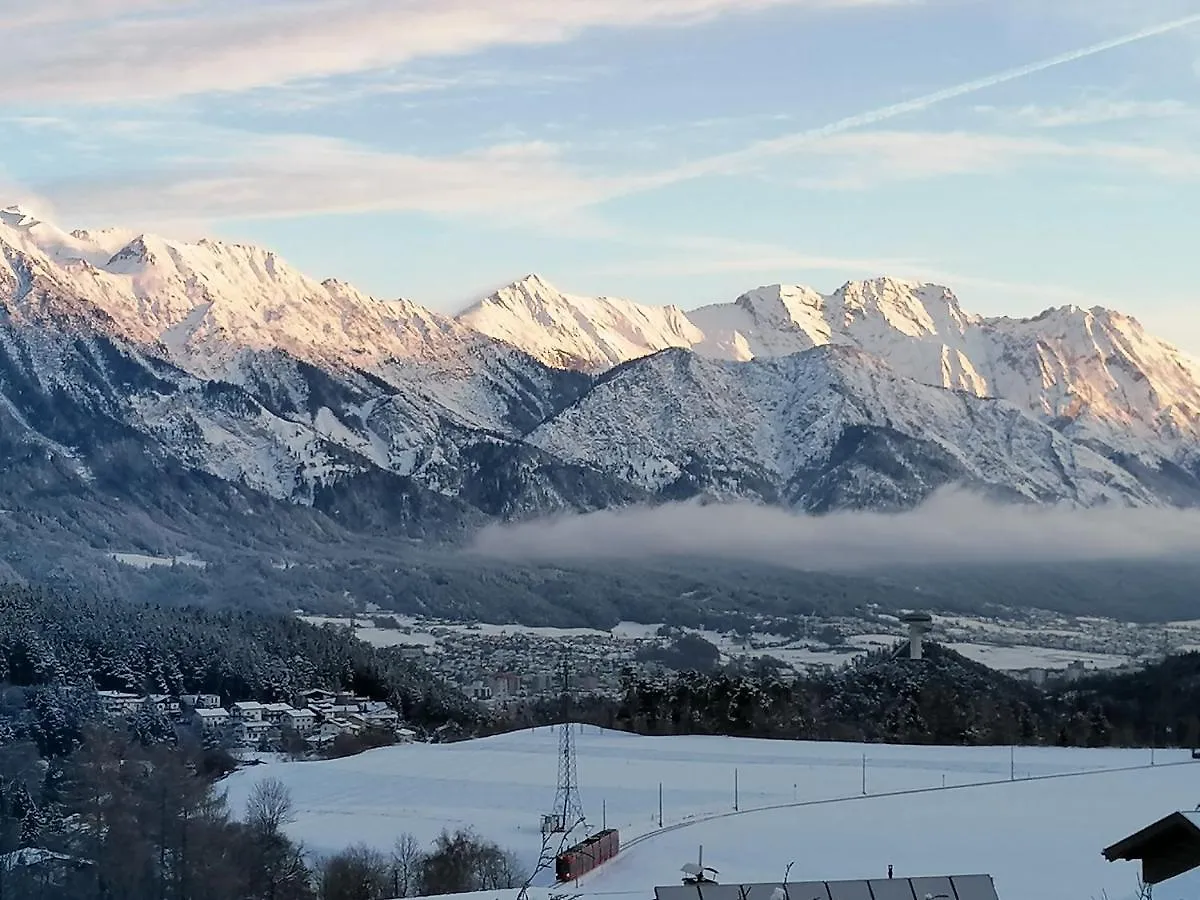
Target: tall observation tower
(919, 624)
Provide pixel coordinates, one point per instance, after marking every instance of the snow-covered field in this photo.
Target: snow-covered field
(1040, 835)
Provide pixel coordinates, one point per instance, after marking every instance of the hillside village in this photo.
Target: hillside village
(313, 721)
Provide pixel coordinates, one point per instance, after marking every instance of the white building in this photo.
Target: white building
(274, 712)
(116, 703)
(382, 718)
(167, 705)
(200, 701)
(317, 695)
(247, 711)
(302, 721)
(209, 720)
(252, 732)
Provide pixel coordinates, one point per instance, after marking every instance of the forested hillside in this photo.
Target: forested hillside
(886, 698)
(51, 646)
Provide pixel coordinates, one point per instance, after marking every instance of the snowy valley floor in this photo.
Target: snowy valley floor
(1040, 836)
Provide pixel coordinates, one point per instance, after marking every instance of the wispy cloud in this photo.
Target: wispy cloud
(189, 47)
(313, 94)
(75, 12)
(752, 155)
(292, 175)
(863, 160)
(1091, 111)
(207, 174)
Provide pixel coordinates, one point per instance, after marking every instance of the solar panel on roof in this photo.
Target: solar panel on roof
(956, 887)
(849, 890)
(974, 887)
(807, 890)
(932, 887)
(764, 892)
(712, 891)
(892, 889)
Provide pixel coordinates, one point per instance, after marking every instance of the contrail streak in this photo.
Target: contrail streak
(917, 104)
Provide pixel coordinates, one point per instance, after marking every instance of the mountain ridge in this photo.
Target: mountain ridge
(1096, 371)
(131, 353)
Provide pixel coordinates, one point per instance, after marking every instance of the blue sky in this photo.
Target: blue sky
(670, 151)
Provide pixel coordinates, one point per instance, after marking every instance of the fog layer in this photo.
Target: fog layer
(953, 527)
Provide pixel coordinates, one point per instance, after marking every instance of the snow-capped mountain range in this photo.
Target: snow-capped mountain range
(125, 355)
(1094, 373)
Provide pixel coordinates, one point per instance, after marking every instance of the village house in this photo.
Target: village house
(209, 720)
(116, 703)
(338, 709)
(165, 703)
(247, 711)
(253, 732)
(315, 696)
(328, 731)
(274, 712)
(301, 721)
(200, 701)
(382, 718)
(505, 684)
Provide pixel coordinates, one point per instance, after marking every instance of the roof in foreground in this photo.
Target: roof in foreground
(1166, 848)
(950, 887)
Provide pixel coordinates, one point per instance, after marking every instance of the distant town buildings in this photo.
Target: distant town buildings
(316, 717)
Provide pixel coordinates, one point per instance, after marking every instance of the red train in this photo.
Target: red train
(587, 854)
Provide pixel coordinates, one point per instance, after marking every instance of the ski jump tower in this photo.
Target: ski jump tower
(568, 807)
(919, 624)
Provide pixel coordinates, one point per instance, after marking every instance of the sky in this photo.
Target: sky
(1027, 153)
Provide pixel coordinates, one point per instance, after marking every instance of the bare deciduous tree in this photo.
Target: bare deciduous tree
(277, 866)
(463, 862)
(357, 873)
(553, 844)
(270, 807)
(406, 865)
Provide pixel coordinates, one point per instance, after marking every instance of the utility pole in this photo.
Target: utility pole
(660, 825)
(1012, 763)
(864, 774)
(735, 789)
(568, 806)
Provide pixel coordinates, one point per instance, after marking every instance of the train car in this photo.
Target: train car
(587, 854)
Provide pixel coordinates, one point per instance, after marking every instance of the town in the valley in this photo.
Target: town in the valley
(501, 665)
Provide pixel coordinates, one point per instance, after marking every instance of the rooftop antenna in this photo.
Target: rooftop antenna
(568, 806)
(698, 872)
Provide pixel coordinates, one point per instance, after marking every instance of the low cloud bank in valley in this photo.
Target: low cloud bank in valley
(952, 527)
